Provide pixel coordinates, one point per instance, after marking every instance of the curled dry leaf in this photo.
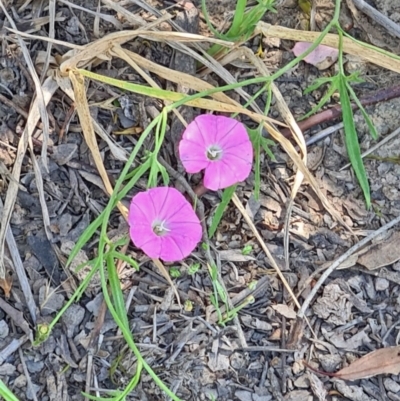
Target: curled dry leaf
(381, 361)
(284, 310)
(382, 254)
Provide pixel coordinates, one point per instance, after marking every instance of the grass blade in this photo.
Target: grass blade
(6, 393)
(351, 138)
(367, 118)
(226, 197)
(115, 287)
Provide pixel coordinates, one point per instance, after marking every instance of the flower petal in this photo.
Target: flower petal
(223, 173)
(169, 205)
(190, 231)
(176, 205)
(232, 134)
(141, 234)
(175, 249)
(141, 209)
(193, 156)
(243, 152)
(198, 136)
(194, 134)
(207, 126)
(153, 247)
(239, 164)
(228, 128)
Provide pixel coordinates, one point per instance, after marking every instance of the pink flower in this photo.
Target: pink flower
(220, 146)
(163, 224)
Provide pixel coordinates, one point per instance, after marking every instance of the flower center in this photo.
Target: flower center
(214, 152)
(160, 229)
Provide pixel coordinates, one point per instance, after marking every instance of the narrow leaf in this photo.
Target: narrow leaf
(317, 83)
(367, 118)
(115, 287)
(226, 198)
(85, 237)
(323, 100)
(353, 147)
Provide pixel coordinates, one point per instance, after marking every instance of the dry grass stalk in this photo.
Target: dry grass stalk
(349, 46)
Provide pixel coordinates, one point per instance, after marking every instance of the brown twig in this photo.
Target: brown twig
(320, 372)
(336, 111)
(68, 117)
(12, 105)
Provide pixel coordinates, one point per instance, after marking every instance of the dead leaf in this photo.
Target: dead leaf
(235, 256)
(381, 361)
(382, 254)
(6, 283)
(284, 310)
(276, 335)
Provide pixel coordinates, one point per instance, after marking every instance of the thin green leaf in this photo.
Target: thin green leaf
(209, 23)
(265, 144)
(238, 19)
(119, 242)
(269, 98)
(226, 198)
(214, 301)
(116, 291)
(116, 197)
(221, 292)
(317, 83)
(255, 137)
(351, 138)
(213, 273)
(354, 78)
(331, 90)
(6, 393)
(125, 258)
(85, 237)
(129, 339)
(368, 46)
(367, 118)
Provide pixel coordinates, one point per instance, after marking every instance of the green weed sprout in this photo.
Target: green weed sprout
(243, 23)
(174, 272)
(218, 295)
(247, 250)
(230, 314)
(342, 83)
(193, 269)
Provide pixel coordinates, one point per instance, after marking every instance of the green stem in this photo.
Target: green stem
(128, 338)
(237, 18)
